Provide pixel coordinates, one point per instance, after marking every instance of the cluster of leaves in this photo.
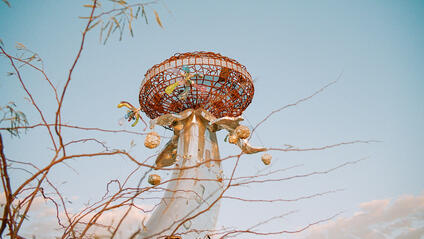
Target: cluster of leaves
(14, 118)
(25, 55)
(122, 16)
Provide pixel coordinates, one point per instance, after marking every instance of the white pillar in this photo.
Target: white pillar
(193, 190)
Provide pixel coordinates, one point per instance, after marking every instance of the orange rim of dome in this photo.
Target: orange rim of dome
(221, 85)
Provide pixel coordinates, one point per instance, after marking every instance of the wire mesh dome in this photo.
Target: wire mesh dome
(194, 80)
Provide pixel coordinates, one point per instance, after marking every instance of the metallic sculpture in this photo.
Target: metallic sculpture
(194, 95)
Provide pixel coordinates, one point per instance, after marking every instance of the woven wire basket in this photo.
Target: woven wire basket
(218, 84)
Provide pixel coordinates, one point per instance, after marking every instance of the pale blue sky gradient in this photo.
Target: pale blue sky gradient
(291, 48)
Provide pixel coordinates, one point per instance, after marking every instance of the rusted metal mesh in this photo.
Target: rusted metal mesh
(221, 86)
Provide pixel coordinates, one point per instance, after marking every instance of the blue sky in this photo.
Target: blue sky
(291, 48)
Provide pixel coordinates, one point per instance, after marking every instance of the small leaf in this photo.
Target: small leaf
(32, 57)
(131, 31)
(131, 15)
(114, 29)
(137, 12)
(122, 2)
(108, 33)
(143, 13)
(116, 22)
(1, 42)
(158, 19)
(10, 73)
(20, 46)
(105, 26)
(7, 3)
(122, 31)
(132, 144)
(87, 5)
(101, 33)
(94, 25)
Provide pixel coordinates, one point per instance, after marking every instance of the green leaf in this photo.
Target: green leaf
(122, 31)
(101, 33)
(143, 13)
(136, 13)
(108, 33)
(130, 28)
(15, 118)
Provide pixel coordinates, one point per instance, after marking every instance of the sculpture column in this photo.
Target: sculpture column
(194, 187)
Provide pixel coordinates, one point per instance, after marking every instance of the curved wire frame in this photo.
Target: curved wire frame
(220, 85)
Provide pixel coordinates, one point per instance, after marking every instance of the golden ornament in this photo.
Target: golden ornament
(243, 132)
(154, 179)
(232, 139)
(266, 159)
(152, 140)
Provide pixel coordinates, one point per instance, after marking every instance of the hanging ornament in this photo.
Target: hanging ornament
(154, 179)
(243, 132)
(132, 113)
(152, 140)
(266, 159)
(232, 139)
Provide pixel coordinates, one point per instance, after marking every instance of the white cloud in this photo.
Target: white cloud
(402, 218)
(131, 224)
(42, 221)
